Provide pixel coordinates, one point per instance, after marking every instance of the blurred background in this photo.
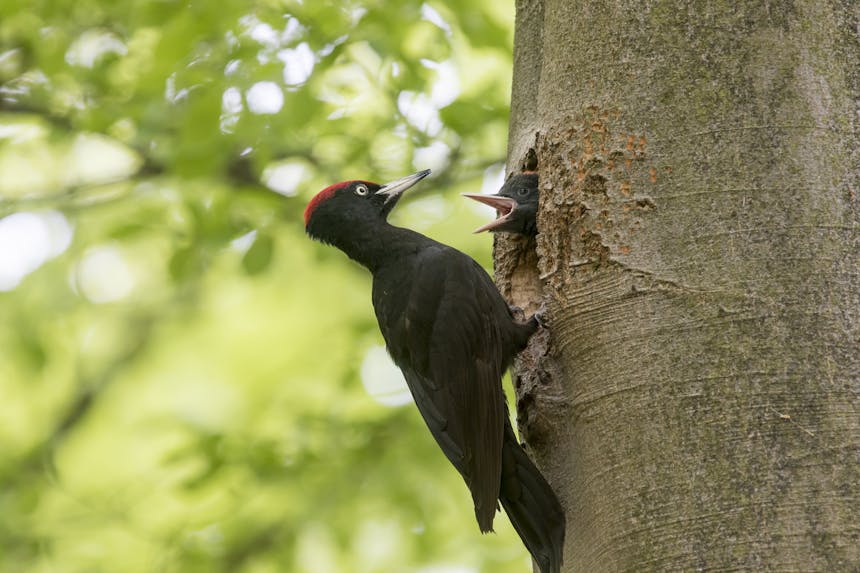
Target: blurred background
(187, 383)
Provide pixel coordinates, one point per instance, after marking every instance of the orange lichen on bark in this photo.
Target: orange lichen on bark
(601, 207)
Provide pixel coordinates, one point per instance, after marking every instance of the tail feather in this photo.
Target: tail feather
(532, 506)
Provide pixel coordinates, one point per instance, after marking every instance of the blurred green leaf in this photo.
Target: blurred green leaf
(165, 408)
(185, 263)
(259, 256)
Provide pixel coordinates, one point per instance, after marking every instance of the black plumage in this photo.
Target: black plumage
(452, 334)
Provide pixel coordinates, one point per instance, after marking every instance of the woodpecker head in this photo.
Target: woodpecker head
(340, 206)
(516, 205)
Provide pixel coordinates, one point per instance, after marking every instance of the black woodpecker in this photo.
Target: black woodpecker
(516, 205)
(451, 333)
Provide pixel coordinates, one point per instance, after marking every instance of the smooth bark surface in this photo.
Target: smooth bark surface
(695, 399)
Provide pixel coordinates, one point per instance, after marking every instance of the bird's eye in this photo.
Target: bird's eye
(361, 190)
(522, 191)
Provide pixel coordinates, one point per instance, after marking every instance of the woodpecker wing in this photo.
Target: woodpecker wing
(443, 333)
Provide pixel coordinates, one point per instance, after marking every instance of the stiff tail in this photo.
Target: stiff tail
(531, 505)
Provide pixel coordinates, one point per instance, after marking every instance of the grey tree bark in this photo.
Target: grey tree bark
(695, 398)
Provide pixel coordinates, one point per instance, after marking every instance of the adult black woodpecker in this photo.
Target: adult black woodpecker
(451, 333)
(516, 205)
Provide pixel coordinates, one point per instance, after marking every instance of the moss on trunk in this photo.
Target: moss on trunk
(695, 401)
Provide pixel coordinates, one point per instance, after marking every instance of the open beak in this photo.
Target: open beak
(392, 191)
(504, 206)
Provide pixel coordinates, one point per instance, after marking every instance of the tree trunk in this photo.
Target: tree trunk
(694, 400)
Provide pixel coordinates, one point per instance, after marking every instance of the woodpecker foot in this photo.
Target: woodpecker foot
(540, 316)
(518, 313)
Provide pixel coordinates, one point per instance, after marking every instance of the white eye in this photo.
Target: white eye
(361, 190)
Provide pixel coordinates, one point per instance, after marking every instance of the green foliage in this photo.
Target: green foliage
(181, 368)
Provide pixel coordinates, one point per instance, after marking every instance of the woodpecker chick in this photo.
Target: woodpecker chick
(450, 332)
(516, 205)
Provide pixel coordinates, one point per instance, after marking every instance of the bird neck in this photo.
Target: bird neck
(374, 245)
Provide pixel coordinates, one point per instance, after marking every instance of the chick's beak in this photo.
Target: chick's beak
(504, 206)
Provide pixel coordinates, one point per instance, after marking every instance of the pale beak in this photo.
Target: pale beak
(504, 207)
(395, 188)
